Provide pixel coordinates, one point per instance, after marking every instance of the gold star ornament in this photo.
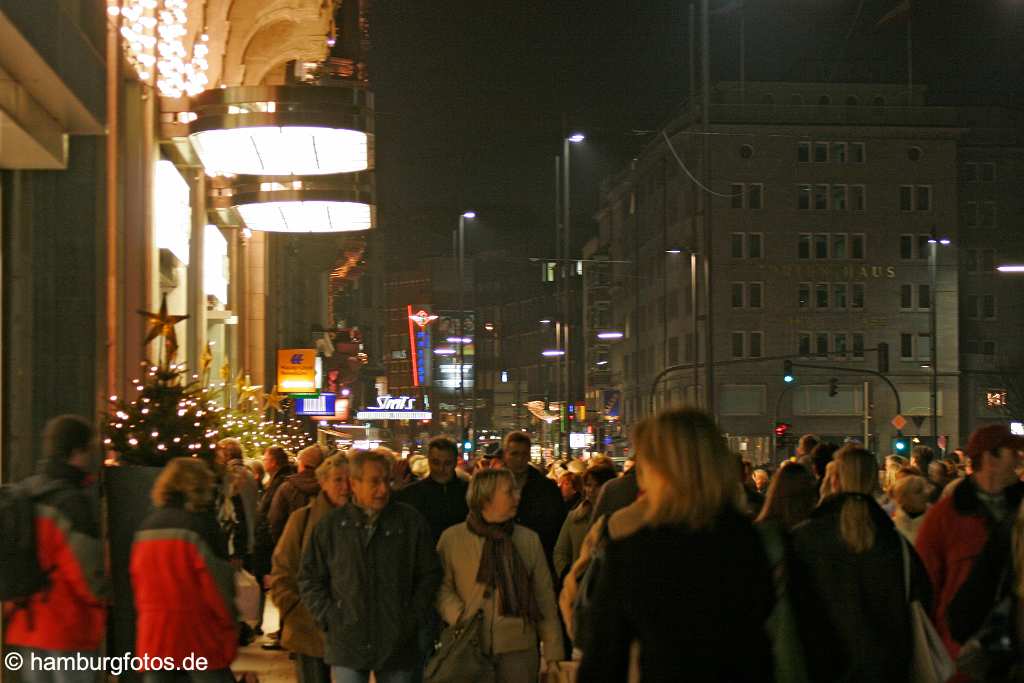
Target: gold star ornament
(162, 325)
(273, 400)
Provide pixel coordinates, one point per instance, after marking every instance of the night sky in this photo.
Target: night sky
(474, 96)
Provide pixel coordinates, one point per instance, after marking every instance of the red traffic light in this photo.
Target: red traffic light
(781, 428)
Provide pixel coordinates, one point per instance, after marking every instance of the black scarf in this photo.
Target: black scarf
(503, 570)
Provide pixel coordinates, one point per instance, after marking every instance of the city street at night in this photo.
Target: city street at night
(518, 342)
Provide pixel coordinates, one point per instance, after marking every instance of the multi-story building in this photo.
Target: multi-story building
(815, 203)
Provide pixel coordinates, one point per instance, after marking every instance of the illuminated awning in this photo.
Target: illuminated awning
(307, 216)
(283, 130)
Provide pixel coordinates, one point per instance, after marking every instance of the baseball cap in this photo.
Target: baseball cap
(991, 438)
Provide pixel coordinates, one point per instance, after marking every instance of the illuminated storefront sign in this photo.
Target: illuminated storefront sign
(296, 371)
(321, 405)
(394, 408)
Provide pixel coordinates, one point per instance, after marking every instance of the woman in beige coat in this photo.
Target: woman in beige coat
(299, 631)
(493, 565)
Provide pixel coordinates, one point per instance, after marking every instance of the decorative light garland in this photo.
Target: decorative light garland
(154, 33)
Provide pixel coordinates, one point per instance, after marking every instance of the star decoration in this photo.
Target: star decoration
(252, 393)
(273, 400)
(225, 370)
(162, 325)
(206, 359)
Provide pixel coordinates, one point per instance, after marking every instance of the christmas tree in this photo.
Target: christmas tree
(168, 417)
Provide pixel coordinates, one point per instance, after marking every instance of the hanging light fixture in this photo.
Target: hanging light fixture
(283, 130)
(308, 204)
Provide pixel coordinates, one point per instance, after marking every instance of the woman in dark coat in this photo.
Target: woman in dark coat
(849, 565)
(692, 586)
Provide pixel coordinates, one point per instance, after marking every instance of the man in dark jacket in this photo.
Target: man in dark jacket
(441, 497)
(956, 529)
(540, 502)
(615, 495)
(296, 491)
(277, 467)
(369, 577)
(69, 614)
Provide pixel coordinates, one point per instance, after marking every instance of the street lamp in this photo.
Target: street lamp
(675, 250)
(610, 335)
(1011, 269)
(572, 138)
(461, 251)
(933, 243)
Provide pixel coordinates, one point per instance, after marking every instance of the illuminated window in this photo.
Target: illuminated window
(995, 398)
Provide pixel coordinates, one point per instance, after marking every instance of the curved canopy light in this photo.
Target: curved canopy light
(335, 203)
(284, 130)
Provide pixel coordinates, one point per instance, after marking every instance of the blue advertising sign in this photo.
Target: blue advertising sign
(315, 405)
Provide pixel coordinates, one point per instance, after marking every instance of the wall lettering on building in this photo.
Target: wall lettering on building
(831, 271)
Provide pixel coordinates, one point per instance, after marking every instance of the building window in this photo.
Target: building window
(804, 295)
(737, 295)
(821, 197)
(737, 344)
(839, 197)
(821, 343)
(857, 246)
(754, 349)
(915, 197)
(754, 240)
(736, 193)
(803, 152)
(858, 345)
(924, 346)
(839, 152)
(839, 344)
(858, 198)
(804, 246)
(804, 197)
(988, 307)
(857, 295)
(906, 346)
(924, 296)
(838, 246)
(906, 247)
(754, 297)
(971, 308)
(858, 153)
(821, 295)
(736, 245)
(820, 152)
(804, 344)
(906, 297)
(821, 246)
(988, 348)
(755, 196)
(839, 292)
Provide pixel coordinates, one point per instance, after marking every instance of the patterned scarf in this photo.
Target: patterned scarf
(503, 570)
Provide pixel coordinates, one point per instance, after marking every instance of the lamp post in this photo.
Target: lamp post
(567, 262)
(693, 310)
(462, 313)
(933, 244)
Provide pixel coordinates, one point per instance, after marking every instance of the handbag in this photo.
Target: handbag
(990, 653)
(787, 647)
(460, 657)
(586, 585)
(930, 662)
(247, 597)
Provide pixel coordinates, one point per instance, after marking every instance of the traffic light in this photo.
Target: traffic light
(833, 387)
(781, 428)
(883, 358)
(787, 372)
(901, 445)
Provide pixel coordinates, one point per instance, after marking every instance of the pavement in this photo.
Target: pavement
(269, 666)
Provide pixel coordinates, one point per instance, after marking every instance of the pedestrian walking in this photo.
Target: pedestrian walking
(299, 631)
(848, 568)
(295, 491)
(369, 578)
(495, 566)
(182, 580)
(441, 496)
(67, 616)
(911, 494)
(691, 587)
(540, 503)
(577, 522)
(791, 496)
(278, 467)
(956, 529)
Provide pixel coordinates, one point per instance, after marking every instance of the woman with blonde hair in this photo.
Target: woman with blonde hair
(181, 577)
(495, 566)
(848, 561)
(690, 579)
(911, 495)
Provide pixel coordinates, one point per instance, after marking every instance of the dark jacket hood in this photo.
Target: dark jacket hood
(305, 482)
(60, 469)
(965, 497)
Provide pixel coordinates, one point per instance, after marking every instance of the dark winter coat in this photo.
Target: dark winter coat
(614, 495)
(70, 613)
(696, 601)
(265, 540)
(184, 588)
(443, 505)
(542, 509)
(297, 491)
(371, 588)
(991, 579)
(953, 534)
(861, 595)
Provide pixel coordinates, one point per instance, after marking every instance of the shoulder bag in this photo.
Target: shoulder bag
(460, 656)
(930, 662)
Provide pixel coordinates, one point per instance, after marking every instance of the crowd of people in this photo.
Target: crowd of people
(691, 565)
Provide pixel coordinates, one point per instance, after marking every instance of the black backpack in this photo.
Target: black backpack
(20, 573)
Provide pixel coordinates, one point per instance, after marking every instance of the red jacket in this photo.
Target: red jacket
(70, 613)
(184, 589)
(950, 539)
